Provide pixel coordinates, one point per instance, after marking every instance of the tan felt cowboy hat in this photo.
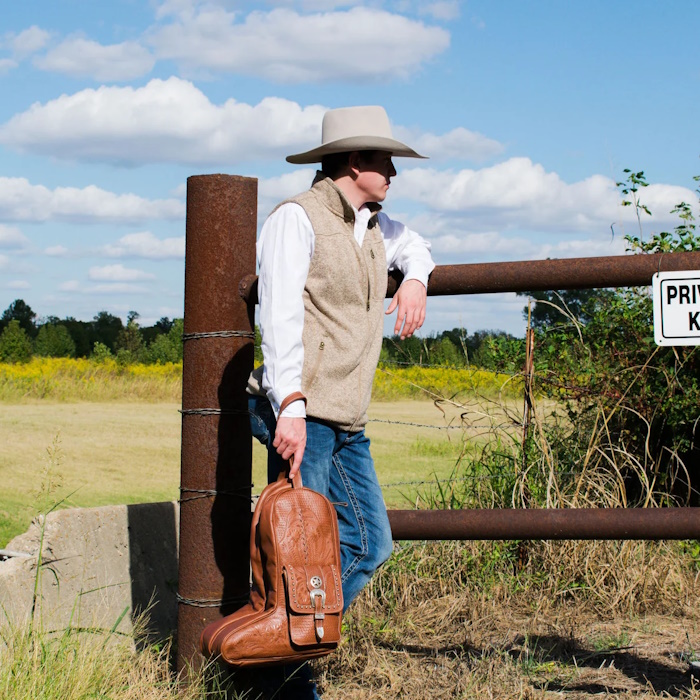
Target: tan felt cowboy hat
(354, 129)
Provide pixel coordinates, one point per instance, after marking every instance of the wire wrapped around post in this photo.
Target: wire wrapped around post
(216, 442)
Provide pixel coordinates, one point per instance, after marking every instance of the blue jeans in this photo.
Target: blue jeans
(337, 464)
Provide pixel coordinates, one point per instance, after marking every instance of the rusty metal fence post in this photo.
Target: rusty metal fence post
(216, 442)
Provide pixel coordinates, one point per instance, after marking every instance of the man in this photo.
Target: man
(323, 258)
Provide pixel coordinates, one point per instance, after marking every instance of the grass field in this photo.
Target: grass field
(445, 619)
(100, 453)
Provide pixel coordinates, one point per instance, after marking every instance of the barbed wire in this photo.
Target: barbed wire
(436, 365)
(468, 477)
(218, 334)
(417, 425)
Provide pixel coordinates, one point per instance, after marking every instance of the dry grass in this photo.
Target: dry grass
(78, 665)
(460, 620)
(448, 619)
(105, 453)
(129, 452)
(441, 620)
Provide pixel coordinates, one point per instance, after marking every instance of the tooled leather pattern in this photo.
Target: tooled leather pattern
(212, 635)
(260, 632)
(300, 598)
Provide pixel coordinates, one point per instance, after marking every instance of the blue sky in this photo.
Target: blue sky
(529, 111)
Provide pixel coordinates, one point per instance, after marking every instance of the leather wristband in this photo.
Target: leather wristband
(294, 396)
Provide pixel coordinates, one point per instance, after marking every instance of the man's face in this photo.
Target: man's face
(374, 175)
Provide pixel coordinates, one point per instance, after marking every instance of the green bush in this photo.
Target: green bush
(636, 403)
(167, 347)
(15, 345)
(54, 340)
(101, 352)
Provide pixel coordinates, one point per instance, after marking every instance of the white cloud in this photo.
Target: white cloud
(478, 312)
(166, 8)
(478, 245)
(359, 45)
(6, 65)
(271, 191)
(116, 288)
(445, 10)
(12, 237)
(107, 289)
(460, 143)
(131, 126)
(69, 286)
(146, 245)
(314, 5)
(56, 251)
(18, 284)
(496, 246)
(22, 201)
(80, 57)
(4, 262)
(118, 273)
(136, 125)
(29, 41)
(518, 193)
(585, 248)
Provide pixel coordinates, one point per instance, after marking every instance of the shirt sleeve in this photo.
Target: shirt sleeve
(284, 253)
(406, 251)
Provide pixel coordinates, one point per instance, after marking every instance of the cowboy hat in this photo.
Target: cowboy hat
(354, 129)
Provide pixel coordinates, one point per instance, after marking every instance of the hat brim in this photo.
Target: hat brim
(354, 143)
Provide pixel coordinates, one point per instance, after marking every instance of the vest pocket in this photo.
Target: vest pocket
(313, 372)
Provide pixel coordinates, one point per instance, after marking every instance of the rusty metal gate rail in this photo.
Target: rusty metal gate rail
(569, 523)
(216, 442)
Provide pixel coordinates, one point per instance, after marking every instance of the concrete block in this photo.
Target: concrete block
(96, 564)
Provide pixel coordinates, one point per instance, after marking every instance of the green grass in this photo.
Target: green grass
(129, 452)
(74, 664)
(104, 454)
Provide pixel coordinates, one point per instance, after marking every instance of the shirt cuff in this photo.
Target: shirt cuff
(296, 409)
(420, 272)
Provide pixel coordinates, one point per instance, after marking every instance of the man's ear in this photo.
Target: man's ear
(354, 161)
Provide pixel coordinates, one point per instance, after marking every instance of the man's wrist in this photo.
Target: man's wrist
(423, 279)
(292, 402)
(295, 409)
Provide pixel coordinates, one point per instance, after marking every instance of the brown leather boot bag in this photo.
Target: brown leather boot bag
(296, 599)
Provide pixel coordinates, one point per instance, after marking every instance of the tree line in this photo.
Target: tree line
(22, 335)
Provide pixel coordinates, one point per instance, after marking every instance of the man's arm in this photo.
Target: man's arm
(409, 253)
(284, 253)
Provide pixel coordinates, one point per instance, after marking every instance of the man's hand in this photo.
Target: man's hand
(410, 298)
(290, 441)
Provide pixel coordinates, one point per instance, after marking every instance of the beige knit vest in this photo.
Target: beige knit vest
(343, 309)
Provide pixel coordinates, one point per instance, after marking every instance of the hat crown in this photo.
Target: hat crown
(349, 122)
(354, 129)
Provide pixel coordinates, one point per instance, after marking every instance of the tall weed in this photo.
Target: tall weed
(64, 379)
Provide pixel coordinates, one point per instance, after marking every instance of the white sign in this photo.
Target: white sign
(676, 307)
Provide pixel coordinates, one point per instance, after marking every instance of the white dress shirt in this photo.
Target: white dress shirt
(284, 250)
